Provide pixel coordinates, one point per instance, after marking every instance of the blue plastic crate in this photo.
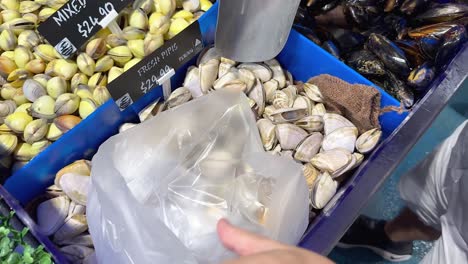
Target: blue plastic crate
(300, 56)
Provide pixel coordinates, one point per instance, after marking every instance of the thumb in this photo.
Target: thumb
(244, 243)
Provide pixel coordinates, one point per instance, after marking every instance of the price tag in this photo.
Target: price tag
(77, 21)
(156, 68)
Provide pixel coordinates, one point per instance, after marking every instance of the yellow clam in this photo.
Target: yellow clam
(96, 48)
(45, 13)
(101, 95)
(86, 64)
(35, 66)
(56, 86)
(22, 56)
(83, 91)
(166, 7)
(115, 72)
(8, 40)
(66, 104)
(152, 42)
(53, 133)
(158, 23)
(43, 107)
(10, 54)
(35, 131)
(98, 79)
(115, 40)
(187, 15)
(18, 121)
(46, 52)
(78, 79)
(29, 39)
(28, 6)
(176, 27)
(8, 144)
(138, 19)
(7, 92)
(104, 64)
(87, 107)
(65, 68)
(120, 55)
(9, 15)
(131, 63)
(42, 79)
(25, 108)
(7, 65)
(136, 46)
(66, 122)
(9, 4)
(81, 167)
(19, 97)
(205, 5)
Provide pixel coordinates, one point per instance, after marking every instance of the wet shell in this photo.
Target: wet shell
(72, 227)
(311, 174)
(247, 77)
(313, 123)
(51, 214)
(208, 73)
(303, 102)
(282, 100)
(81, 167)
(270, 87)
(344, 137)
(368, 140)
(324, 190)
(288, 115)
(75, 186)
(313, 92)
(267, 133)
(262, 72)
(331, 160)
(309, 147)
(333, 121)
(278, 73)
(258, 95)
(319, 110)
(179, 96)
(289, 135)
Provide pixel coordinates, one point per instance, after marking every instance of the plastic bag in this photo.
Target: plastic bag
(158, 189)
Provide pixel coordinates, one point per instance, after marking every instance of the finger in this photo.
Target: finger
(243, 242)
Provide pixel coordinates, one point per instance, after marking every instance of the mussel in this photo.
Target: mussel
(451, 43)
(421, 77)
(392, 57)
(366, 63)
(399, 90)
(442, 13)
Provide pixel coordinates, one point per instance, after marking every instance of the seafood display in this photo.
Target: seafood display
(43, 95)
(291, 118)
(61, 212)
(399, 45)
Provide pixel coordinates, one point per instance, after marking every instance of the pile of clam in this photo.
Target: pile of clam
(43, 95)
(61, 212)
(291, 118)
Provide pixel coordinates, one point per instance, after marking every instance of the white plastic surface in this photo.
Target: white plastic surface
(159, 188)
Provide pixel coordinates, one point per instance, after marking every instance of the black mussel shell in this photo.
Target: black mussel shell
(346, 40)
(442, 13)
(410, 7)
(451, 43)
(435, 30)
(397, 24)
(308, 33)
(398, 88)
(412, 52)
(421, 77)
(303, 17)
(331, 48)
(390, 54)
(366, 63)
(362, 13)
(391, 4)
(380, 29)
(429, 46)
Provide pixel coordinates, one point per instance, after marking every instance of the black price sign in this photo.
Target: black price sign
(157, 67)
(77, 21)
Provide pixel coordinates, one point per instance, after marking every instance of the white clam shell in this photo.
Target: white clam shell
(332, 122)
(286, 115)
(208, 73)
(289, 135)
(208, 54)
(72, 227)
(311, 174)
(332, 160)
(319, 109)
(309, 147)
(278, 73)
(324, 190)
(51, 214)
(262, 72)
(32, 90)
(179, 96)
(192, 82)
(247, 77)
(82, 240)
(282, 100)
(368, 140)
(303, 102)
(126, 126)
(258, 95)
(313, 123)
(344, 137)
(76, 253)
(270, 87)
(348, 167)
(267, 133)
(224, 67)
(76, 187)
(226, 79)
(313, 92)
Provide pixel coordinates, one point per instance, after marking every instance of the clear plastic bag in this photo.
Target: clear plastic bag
(158, 189)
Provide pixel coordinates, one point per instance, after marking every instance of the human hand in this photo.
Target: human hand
(255, 249)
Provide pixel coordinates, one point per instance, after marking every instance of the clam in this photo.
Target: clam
(72, 227)
(96, 48)
(319, 110)
(56, 86)
(332, 160)
(65, 68)
(269, 109)
(288, 115)
(51, 214)
(191, 5)
(311, 174)
(313, 92)
(8, 143)
(53, 133)
(359, 159)
(76, 253)
(282, 100)
(35, 131)
(278, 73)
(313, 123)
(257, 94)
(18, 121)
(32, 90)
(176, 26)
(114, 72)
(82, 240)
(368, 140)
(126, 126)
(332, 122)
(323, 191)
(7, 107)
(136, 46)
(247, 77)
(192, 82)
(309, 147)
(303, 102)
(22, 56)
(267, 133)
(208, 73)
(43, 107)
(101, 95)
(270, 87)
(224, 67)
(87, 106)
(351, 165)
(75, 186)
(179, 96)
(98, 79)
(138, 19)
(114, 40)
(262, 72)
(66, 122)
(152, 42)
(80, 167)
(66, 104)
(86, 64)
(46, 52)
(289, 135)
(344, 137)
(7, 65)
(159, 23)
(229, 79)
(35, 66)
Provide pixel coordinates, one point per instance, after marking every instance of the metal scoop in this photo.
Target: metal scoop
(253, 30)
